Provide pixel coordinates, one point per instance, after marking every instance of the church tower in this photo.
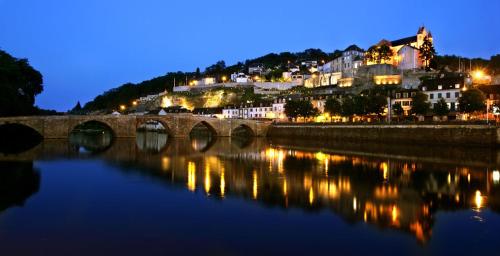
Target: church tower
(421, 34)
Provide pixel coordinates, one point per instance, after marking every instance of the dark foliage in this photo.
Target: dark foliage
(19, 84)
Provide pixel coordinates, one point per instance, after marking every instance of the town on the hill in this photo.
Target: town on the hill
(391, 81)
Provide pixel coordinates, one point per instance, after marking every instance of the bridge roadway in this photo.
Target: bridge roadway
(125, 126)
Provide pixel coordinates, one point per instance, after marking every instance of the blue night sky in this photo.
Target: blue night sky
(84, 47)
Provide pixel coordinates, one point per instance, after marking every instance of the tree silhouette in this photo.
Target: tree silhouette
(333, 106)
(19, 84)
(472, 101)
(427, 52)
(420, 106)
(441, 108)
(385, 53)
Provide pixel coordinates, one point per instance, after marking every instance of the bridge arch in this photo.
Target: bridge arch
(34, 125)
(104, 123)
(18, 137)
(141, 122)
(206, 124)
(243, 130)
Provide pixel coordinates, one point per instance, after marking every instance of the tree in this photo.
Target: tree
(376, 104)
(306, 109)
(384, 53)
(371, 54)
(348, 107)
(360, 105)
(216, 69)
(441, 108)
(420, 106)
(197, 73)
(294, 109)
(427, 52)
(471, 101)
(398, 110)
(77, 110)
(291, 109)
(19, 84)
(333, 106)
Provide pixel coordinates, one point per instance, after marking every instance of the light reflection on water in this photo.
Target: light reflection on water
(397, 192)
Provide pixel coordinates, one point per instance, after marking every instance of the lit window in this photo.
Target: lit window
(440, 87)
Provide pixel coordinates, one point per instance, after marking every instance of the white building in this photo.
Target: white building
(408, 58)
(330, 78)
(204, 81)
(249, 112)
(256, 69)
(273, 87)
(241, 78)
(404, 99)
(349, 62)
(447, 87)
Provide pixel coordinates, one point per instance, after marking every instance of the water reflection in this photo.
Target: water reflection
(91, 142)
(202, 137)
(151, 141)
(18, 182)
(396, 194)
(387, 190)
(91, 137)
(16, 138)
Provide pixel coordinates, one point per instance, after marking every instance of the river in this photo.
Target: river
(156, 195)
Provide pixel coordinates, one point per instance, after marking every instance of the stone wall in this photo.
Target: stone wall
(178, 125)
(474, 135)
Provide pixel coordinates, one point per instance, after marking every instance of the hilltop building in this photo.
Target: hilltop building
(406, 53)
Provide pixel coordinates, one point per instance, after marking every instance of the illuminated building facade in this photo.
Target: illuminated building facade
(447, 86)
(406, 54)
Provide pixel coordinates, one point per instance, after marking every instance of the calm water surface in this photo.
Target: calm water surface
(160, 196)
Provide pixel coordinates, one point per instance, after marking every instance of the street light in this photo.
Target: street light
(478, 74)
(224, 78)
(123, 107)
(134, 103)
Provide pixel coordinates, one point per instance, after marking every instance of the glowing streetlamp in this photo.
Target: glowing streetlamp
(123, 107)
(478, 74)
(224, 78)
(134, 103)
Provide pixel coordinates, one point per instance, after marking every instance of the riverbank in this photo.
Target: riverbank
(469, 135)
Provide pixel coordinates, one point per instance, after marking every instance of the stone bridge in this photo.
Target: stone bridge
(177, 125)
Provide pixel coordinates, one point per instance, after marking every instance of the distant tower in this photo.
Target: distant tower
(421, 34)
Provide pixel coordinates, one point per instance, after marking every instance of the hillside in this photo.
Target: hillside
(278, 63)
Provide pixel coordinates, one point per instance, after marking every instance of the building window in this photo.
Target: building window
(448, 95)
(440, 95)
(413, 94)
(405, 95)
(398, 95)
(440, 87)
(457, 86)
(457, 95)
(431, 96)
